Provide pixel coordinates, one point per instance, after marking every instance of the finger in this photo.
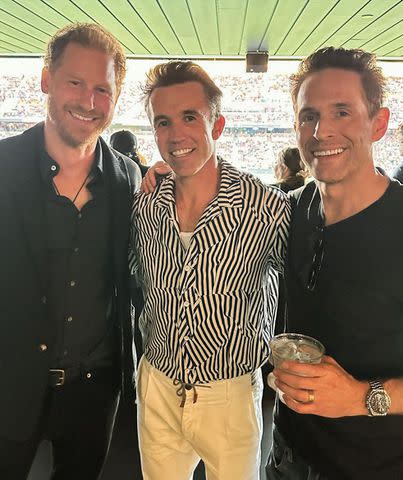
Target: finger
(143, 186)
(163, 169)
(151, 179)
(296, 381)
(297, 394)
(331, 360)
(303, 408)
(148, 188)
(301, 369)
(271, 379)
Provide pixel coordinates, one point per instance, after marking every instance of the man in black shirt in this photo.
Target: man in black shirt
(342, 418)
(65, 330)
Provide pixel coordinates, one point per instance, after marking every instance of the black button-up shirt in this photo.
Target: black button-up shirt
(79, 262)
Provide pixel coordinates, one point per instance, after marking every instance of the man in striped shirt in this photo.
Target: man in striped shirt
(209, 243)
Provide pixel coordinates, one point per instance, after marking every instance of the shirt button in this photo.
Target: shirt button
(70, 319)
(76, 249)
(72, 283)
(186, 338)
(186, 304)
(65, 353)
(80, 215)
(187, 268)
(44, 300)
(43, 347)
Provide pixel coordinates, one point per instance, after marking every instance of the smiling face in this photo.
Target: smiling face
(81, 95)
(183, 128)
(334, 130)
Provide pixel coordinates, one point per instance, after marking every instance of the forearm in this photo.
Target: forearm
(394, 388)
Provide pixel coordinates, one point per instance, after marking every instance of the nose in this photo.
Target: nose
(176, 132)
(87, 99)
(323, 129)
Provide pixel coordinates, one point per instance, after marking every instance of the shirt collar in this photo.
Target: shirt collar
(229, 193)
(49, 168)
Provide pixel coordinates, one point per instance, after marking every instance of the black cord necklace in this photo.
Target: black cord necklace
(78, 191)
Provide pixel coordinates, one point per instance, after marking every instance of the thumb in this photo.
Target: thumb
(331, 360)
(162, 168)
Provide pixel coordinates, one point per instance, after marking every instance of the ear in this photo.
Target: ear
(45, 80)
(380, 123)
(218, 127)
(117, 95)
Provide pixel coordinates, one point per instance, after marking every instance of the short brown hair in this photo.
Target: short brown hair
(174, 72)
(356, 60)
(88, 35)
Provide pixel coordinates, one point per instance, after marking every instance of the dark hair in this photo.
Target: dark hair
(88, 35)
(289, 164)
(174, 72)
(124, 142)
(355, 60)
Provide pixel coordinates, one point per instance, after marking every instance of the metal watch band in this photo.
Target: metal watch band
(376, 384)
(377, 401)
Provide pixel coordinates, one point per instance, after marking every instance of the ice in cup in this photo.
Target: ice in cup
(297, 347)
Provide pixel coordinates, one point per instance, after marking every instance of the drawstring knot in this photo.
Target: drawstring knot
(183, 386)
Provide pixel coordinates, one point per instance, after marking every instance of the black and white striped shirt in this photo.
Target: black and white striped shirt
(209, 310)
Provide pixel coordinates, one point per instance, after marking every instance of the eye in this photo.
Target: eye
(104, 91)
(189, 118)
(161, 123)
(74, 82)
(307, 117)
(342, 113)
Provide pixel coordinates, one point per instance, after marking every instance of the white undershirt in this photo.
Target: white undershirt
(185, 238)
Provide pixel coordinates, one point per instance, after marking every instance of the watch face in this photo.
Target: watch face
(378, 402)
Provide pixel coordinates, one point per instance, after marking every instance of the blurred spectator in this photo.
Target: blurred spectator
(398, 173)
(125, 142)
(289, 170)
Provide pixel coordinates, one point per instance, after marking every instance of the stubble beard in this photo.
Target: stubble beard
(66, 135)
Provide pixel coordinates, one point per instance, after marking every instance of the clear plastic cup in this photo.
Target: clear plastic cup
(297, 347)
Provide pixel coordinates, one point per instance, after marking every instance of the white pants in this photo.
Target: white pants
(223, 427)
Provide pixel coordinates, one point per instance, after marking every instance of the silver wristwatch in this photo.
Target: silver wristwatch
(377, 400)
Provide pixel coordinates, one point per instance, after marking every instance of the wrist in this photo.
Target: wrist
(377, 401)
(390, 386)
(360, 407)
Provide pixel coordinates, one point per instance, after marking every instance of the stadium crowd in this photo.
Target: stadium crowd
(257, 108)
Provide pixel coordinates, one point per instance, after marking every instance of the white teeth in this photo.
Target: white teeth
(80, 117)
(183, 151)
(324, 153)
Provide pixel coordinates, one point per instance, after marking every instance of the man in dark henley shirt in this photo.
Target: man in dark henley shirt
(66, 328)
(79, 253)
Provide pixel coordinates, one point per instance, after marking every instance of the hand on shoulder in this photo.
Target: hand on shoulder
(154, 176)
